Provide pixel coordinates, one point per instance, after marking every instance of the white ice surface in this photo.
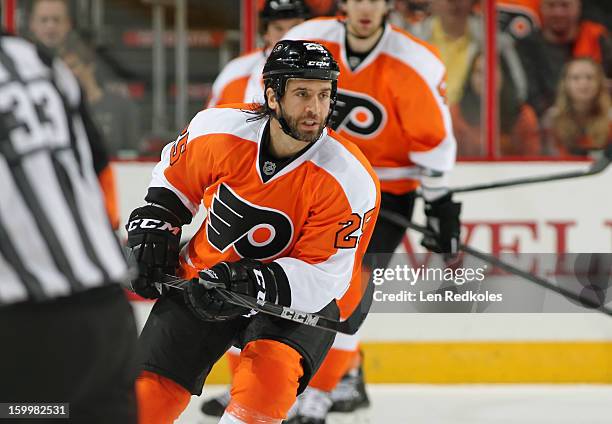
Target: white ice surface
(466, 404)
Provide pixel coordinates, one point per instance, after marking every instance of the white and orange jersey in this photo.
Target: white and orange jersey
(240, 80)
(314, 217)
(392, 106)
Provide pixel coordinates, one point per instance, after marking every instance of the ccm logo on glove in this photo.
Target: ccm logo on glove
(152, 224)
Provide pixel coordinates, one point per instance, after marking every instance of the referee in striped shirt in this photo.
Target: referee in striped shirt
(67, 333)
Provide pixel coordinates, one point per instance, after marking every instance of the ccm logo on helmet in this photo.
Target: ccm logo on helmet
(358, 114)
(319, 63)
(152, 224)
(256, 232)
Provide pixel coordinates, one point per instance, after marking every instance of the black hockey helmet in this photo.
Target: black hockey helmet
(299, 59)
(283, 9)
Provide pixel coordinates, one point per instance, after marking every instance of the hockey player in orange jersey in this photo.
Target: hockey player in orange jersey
(240, 80)
(391, 104)
(282, 194)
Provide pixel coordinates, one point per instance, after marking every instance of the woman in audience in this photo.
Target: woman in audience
(580, 121)
(518, 125)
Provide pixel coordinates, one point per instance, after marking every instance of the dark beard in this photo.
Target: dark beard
(302, 136)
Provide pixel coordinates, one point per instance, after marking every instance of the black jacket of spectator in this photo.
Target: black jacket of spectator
(543, 60)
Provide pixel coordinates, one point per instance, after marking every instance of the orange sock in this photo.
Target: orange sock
(160, 400)
(266, 381)
(336, 364)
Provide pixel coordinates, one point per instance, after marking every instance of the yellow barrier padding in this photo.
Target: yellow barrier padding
(489, 362)
(478, 362)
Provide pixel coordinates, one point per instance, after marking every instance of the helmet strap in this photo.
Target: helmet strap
(332, 104)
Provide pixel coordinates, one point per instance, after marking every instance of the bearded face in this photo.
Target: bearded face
(305, 106)
(307, 127)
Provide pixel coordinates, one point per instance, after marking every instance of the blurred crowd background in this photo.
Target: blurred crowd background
(554, 67)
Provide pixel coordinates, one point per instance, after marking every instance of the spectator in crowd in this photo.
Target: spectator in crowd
(458, 34)
(408, 14)
(581, 119)
(563, 35)
(115, 115)
(518, 124)
(50, 23)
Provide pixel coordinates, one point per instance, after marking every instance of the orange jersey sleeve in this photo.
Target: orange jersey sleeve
(421, 100)
(106, 178)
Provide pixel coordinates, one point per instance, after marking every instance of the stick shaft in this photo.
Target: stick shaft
(350, 326)
(595, 168)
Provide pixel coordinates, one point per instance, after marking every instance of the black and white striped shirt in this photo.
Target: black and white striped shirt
(55, 236)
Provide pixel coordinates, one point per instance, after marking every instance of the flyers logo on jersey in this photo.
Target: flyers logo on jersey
(358, 114)
(256, 232)
(516, 21)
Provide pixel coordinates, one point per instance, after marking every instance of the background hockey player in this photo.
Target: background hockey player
(281, 193)
(240, 80)
(391, 104)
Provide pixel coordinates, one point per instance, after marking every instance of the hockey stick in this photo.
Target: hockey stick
(596, 167)
(349, 326)
(403, 222)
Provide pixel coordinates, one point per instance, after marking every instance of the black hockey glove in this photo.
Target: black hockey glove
(443, 219)
(246, 276)
(153, 235)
